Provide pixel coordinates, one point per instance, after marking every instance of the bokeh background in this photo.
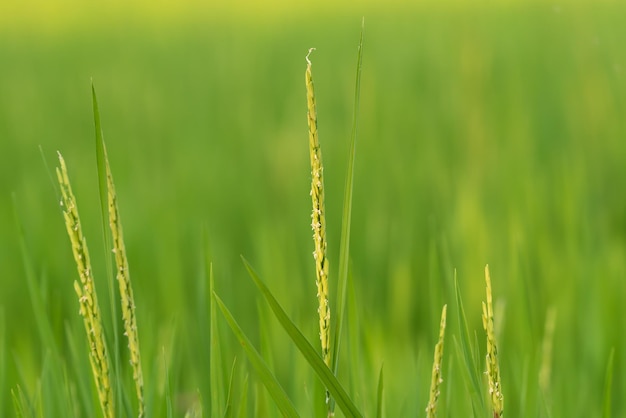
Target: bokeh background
(488, 133)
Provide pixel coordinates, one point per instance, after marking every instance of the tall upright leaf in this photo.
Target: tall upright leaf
(344, 246)
(103, 193)
(468, 355)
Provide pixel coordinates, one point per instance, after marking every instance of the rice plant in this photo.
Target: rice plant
(89, 307)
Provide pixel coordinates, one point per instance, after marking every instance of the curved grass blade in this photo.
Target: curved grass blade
(310, 354)
(267, 378)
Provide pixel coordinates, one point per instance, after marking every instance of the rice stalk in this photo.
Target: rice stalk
(318, 223)
(493, 370)
(89, 308)
(126, 290)
(436, 376)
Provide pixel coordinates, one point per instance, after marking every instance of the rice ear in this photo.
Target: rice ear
(318, 223)
(86, 291)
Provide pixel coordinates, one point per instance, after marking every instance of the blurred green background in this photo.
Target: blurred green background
(487, 134)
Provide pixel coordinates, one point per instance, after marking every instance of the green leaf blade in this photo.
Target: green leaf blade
(267, 378)
(346, 218)
(310, 354)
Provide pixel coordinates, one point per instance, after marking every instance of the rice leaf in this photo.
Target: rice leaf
(79, 365)
(103, 193)
(357, 380)
(608, 385)
(168, 389)
(2, 358)
(379, 408)
(42, 321)
(267, 378)
(465, 347)
(228, 413)
(243, 402)
(20, 404)
(310, 354)
(344, 246)
(215, 360)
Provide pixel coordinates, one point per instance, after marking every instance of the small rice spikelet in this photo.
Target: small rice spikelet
(493, 370)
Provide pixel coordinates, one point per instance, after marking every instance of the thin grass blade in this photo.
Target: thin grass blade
(267, 378)
(346, 218)
(310, 354)
(465, 346)
(243, 402)
(228, 413)
(79, 364)
(3, 369)
(215, 361)
(103, 193)
(20, 404)
(354, 340)
(41, 318)
(608, 385)
(379, 408)
(168, 389)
